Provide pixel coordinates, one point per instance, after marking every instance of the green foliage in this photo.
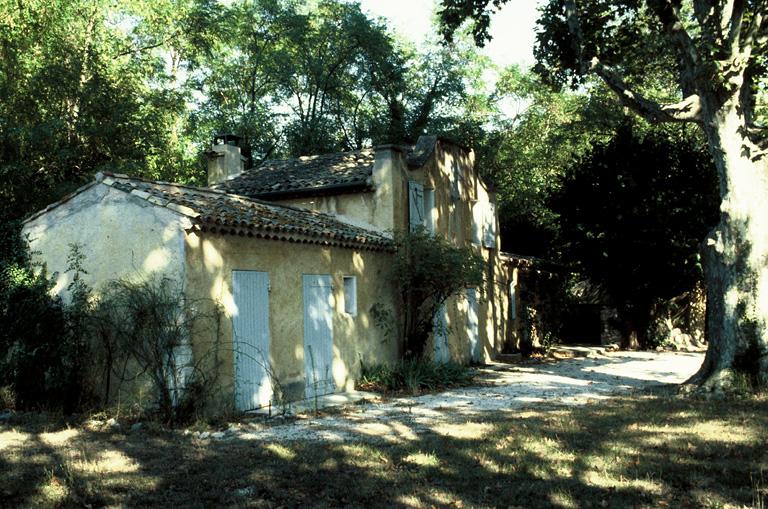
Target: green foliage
(428, 270)
(79, 95)
(632, 218)
(306, 79)
(146, 324)
(140, 86)
(525, 156)
(42, 350)
(413, 376)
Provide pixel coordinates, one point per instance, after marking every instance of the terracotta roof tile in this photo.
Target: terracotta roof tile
(304, 174)
(224, 213)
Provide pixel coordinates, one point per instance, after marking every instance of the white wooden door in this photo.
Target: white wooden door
(250, 324)
(318, 335)
(440, 335)
(473, 326)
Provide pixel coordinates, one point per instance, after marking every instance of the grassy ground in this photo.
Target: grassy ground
(633, 452)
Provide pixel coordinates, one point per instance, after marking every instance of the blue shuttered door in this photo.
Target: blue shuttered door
(251, 340)
(318, 335)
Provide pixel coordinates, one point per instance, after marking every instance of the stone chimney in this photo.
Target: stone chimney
(225, 159)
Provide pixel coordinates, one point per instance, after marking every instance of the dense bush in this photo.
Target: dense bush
(40, 349)
(57, 356)
(413, 376)
(632, 219)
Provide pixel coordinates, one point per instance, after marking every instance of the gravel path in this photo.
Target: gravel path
(502, 388)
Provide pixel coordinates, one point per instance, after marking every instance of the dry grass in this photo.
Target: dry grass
(641, 452)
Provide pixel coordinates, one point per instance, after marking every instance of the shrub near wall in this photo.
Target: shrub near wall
(428, 270)
(141, 335)
(76, 357)
(36, 365)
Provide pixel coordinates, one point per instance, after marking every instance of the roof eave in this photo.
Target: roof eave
(297, 238)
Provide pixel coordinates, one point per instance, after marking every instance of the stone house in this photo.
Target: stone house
(297, 254)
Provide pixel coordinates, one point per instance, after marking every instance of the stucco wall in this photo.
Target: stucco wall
(120, 235)
(461, 200)
(211, 260)
(384, 208)
(359, 208)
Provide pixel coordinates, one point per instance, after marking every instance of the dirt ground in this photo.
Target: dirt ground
(501, 389)
(566, 434)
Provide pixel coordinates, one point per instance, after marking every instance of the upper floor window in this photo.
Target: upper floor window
(415, 205)
(456, 179)
(489, 226)
(477, 223)
(484, 224)
(513, 300)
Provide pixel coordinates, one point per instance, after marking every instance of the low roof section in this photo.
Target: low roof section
(228, 214)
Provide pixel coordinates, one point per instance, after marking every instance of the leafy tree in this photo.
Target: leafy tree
(42, 349)
(84, 88)
(632, 218)
(525, 156)
(715, 53)
(303, 79)
(428, 270)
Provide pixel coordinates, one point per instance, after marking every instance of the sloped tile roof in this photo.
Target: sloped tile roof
(219, 212)
(422, 151)
(308, 173)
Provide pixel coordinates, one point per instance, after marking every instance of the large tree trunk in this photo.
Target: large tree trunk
(736, 259)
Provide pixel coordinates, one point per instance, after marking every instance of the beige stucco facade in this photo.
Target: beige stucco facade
(462, 204)
(211, 260)
(132, 234)
(120, 235)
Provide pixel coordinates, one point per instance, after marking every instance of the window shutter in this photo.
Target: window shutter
(489, 226)
(429, 210)
(415, 205)
(455, 181)
(477, 223)
(350, 295)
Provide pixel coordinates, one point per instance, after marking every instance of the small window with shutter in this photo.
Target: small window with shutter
(513, 300)
(477, 223)
(350, 295)
(489, 226)
(415, 205)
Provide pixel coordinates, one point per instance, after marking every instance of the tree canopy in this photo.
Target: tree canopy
(140, 87)
(714, 53)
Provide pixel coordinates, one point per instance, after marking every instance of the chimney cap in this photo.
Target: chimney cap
(227, 139)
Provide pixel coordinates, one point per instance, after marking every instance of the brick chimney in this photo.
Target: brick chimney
(225, 159)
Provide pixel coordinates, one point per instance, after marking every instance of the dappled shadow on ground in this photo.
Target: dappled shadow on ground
(642, 452)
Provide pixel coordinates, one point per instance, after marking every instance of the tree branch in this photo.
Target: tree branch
(149, 47)
(735, 22)
(668, 13)
(757, 33)
(687, 110)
